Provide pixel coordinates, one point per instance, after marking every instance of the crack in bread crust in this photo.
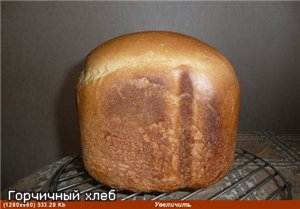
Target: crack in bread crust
(186, 121)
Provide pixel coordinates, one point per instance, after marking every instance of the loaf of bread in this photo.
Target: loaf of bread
(158, 111)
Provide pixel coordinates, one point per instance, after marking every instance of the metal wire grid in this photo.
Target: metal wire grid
(250, 178)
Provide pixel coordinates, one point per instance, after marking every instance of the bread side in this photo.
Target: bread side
(160, 124)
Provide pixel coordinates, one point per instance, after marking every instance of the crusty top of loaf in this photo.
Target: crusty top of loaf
(153, 47)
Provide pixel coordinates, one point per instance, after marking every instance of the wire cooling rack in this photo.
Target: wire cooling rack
(251, 177)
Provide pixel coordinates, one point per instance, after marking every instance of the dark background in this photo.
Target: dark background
(44, 45)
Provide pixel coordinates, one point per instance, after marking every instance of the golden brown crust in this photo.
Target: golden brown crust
(158, 111)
